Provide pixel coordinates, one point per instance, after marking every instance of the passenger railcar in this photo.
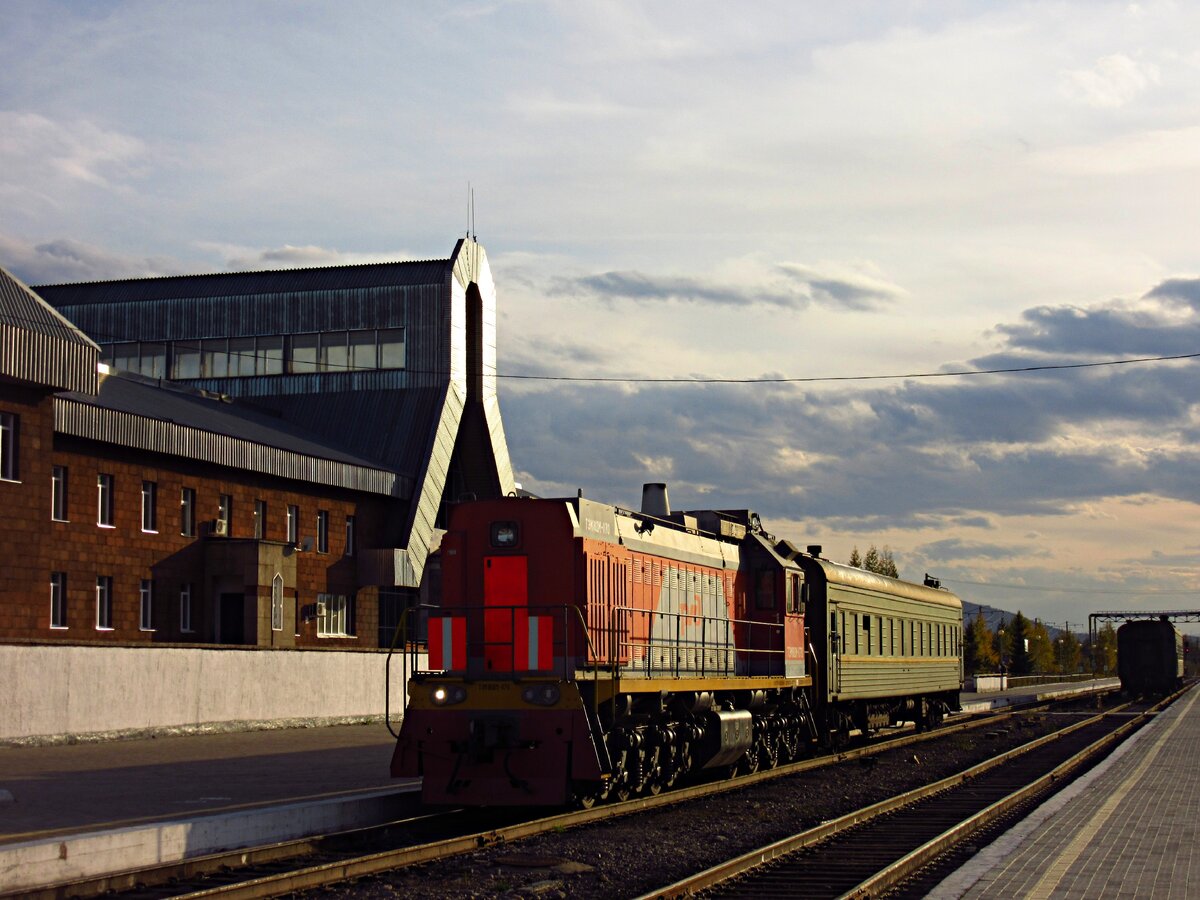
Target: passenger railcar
(1149, 657)
(583, 651)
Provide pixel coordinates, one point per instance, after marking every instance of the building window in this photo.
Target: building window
(277, 603)
(58, 599)
(293, 525)
(224, 514)
(187, 512)
(104, 602)
(349, 535)
(149, 506)
(58, 494)
(146, 604)
(104, 501)
(335, 615)
(260, 519)
(185, 607)
(322, 531)
(10, 432)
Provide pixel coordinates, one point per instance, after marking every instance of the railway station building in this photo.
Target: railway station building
(256, 458)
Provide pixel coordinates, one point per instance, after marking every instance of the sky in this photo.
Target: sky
(707, 191)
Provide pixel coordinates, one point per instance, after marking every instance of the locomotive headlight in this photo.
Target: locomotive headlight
(447, 694)
(541, 694)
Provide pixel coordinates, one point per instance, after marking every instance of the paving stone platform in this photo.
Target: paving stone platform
(1128, 828)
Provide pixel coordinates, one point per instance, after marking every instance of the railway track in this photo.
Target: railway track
(875, 850)
(320, 861)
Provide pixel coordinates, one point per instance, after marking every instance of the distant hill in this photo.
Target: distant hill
(994, 616)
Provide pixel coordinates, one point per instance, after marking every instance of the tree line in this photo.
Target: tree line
(1019, 647)
(1024, 647)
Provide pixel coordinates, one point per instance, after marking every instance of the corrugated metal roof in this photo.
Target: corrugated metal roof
(138, 413)
(39, 345)
(227, 284)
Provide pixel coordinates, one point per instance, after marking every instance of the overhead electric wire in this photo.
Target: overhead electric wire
(616, 379)
(1066, 590)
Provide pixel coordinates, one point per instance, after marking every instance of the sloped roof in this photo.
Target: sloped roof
(139, 413)
(39, 345)
(226, 284)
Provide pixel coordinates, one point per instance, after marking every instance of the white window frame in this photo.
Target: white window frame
(58, 601)
(334, 621)
(260, 519)
(146, 604)
(10, 437)
(293, 524)
(104, 603)
(225, 512)
(277, 602)
(150, 507)
(58, 494)
(322, 531)
(104, 500)
(187, 512)
(349, 551)
(185, 608)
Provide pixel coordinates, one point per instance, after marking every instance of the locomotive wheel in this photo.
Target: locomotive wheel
(748, 764)
(586, 795)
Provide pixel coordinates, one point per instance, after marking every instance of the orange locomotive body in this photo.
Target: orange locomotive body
(584, 651)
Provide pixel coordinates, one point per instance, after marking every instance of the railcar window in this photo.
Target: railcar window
(866, 627)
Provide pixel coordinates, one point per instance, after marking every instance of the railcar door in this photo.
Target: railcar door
(505, 596)
(833, 672)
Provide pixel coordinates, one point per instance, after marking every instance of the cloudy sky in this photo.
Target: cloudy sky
(707, 191)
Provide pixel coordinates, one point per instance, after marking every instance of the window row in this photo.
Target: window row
(870, 635)
(335, 612)
(241, 357)
(104, 603)
(221, 525)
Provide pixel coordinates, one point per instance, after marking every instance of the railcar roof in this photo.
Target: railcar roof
(849, 576)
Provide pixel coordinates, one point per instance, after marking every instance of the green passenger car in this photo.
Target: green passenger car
(887, 651)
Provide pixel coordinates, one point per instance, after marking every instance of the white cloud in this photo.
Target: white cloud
(39, 154)
(1112, 82)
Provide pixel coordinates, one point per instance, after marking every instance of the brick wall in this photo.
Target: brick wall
(35, 545)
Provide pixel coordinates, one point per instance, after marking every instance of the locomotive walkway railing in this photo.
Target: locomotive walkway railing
(649, 642)
(518, 641)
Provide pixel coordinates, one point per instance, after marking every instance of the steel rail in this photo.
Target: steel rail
(356, 867)
(900, 869)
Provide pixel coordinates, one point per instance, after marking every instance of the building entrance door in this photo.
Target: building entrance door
(232, 619)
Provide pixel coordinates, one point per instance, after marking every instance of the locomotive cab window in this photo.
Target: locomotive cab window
(505, 535)
(797, 594)
(764, 593)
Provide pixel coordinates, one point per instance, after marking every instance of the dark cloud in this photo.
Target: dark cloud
(795, 288)
(640, 287)
(955, 548)
(1185, 291)
(936, 453)
(65, 260)
(1106, 332)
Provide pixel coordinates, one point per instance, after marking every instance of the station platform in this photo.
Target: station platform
(984, 701)
(79, 810)
(1130, 827)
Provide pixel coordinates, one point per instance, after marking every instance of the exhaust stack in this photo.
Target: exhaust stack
(654, 500)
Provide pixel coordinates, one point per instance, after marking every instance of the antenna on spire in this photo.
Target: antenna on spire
(474, 233)
(468, 209)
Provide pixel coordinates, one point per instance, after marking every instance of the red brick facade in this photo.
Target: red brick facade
(227, 575)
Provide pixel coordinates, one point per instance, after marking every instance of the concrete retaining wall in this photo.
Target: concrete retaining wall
(80, 691)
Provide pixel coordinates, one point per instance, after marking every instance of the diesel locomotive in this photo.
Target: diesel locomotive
(583, 651)
(1149, 657)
